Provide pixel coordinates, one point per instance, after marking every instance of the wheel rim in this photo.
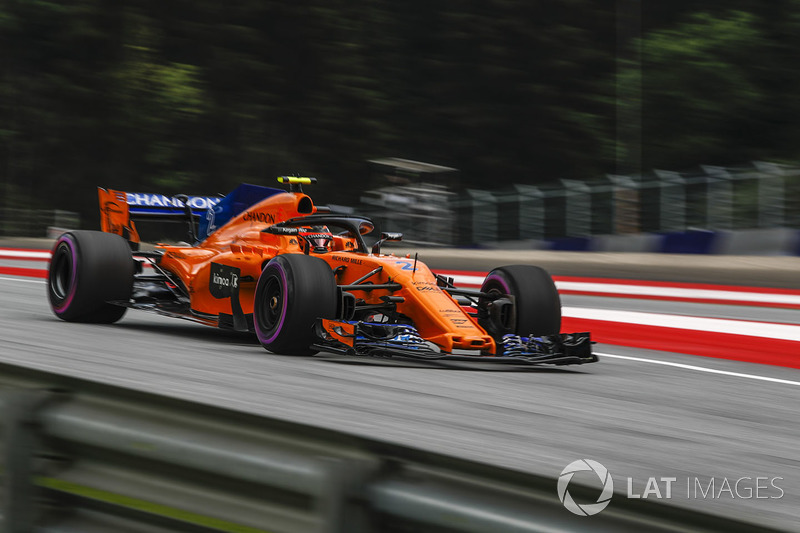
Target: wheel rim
(495, 286)
(61, 272)
(271, 304)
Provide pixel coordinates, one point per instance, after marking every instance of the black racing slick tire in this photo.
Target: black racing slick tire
(87, 270)
(293, 291)
(537, 306)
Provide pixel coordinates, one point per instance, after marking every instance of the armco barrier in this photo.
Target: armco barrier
(83, 456)
(689, 242)
(774, 241)
(637, 243)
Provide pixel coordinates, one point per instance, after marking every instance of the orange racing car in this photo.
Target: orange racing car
(302, 278)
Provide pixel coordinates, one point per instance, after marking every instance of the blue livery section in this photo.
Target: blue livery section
(213, 211)
(242, 197)
(141, 203)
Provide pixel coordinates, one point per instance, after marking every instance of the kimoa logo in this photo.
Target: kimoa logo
(225, 282)
(585, 465)
(426, 288)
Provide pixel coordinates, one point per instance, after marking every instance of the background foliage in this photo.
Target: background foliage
(196, 96)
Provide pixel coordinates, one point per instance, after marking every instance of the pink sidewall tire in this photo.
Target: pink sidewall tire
(87, 270)
(293, 291)
(537, 303)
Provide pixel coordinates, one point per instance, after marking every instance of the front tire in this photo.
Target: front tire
(537, 306)
(87, 270)
(293, 291)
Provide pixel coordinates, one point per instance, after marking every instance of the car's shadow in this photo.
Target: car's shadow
(175, 328)
(190, 330)
(184, 328)
(463, 366)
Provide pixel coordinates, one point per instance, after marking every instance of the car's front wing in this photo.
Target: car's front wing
(403, 341)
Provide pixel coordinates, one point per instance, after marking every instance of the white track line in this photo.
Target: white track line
(8, 254)
(615, 289)
(677, 292)
(461, 279)
(24, 280)
(771, 330)
(701, 369)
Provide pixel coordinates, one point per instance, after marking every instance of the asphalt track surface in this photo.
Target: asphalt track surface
(640, 413)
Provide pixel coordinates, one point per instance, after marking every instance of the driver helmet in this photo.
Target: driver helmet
(320, 244)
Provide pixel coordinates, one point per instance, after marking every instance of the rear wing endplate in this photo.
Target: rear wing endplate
(115, 214)
(118, 209)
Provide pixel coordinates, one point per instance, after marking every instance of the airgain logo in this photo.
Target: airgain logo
(585, 465)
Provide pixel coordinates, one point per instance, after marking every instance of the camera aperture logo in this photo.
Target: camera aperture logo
(585, 465)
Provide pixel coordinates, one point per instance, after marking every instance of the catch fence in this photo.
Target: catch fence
(756, 196)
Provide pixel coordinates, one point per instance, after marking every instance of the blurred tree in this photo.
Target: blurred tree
(504, 90)
(703, 99)
(200, 95)
(196, 96)
(158, 105)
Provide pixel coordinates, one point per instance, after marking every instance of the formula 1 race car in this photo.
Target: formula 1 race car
(303, 280)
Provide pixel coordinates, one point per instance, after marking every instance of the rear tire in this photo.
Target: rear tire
(87, 270)
(293, 291)
(537, 304)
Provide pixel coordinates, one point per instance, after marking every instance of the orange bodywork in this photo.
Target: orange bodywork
(115, 215)
(241, 243)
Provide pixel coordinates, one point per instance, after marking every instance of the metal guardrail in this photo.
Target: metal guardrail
(84, 456)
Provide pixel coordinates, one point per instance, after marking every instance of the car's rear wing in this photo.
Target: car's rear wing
(118, 209)
(204, 214)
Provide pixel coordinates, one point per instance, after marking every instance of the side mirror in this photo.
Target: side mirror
(385, 236)
(365, 227)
